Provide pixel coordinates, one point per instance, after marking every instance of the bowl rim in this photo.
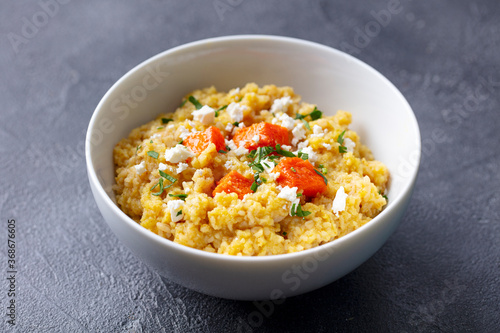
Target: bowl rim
(93, 179)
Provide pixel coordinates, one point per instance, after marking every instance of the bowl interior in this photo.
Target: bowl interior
(329, 78)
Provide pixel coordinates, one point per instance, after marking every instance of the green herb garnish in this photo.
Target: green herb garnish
(340, 140)
(283, 152)
(383, 196)
(324, 178)
(150, 141)
(227, 148)
(220, 109)
(137, 149)
(293, 169)
(166, 120)
(159, 127)
(315, 115)
(284, 233)
(195, 102)
(180, 142)
(180, 196)
(222, 151)
(297, 211)
(302, 155)
(153, 154)
(254, 186)
(183, 103)
(160, 183)
(236, 124)
(179, 213)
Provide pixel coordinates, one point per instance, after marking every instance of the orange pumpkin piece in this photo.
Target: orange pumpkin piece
(269, 135)
(295, 172)
(234, 182)
(199, 141)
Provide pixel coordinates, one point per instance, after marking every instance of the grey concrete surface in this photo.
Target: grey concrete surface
(439, 272)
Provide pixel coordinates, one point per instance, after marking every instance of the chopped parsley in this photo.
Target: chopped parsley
(315, 115)
(179, 213)
(324, 178)
(340, 140)
(137, 149)
(284, 233)
(183, 103)
(180, 142)
(240, 99)
(220, 109)
(150, 141)
(323, 169)
(161, 182)
(236, 123)
(293, 169)
(153, 154)
(166, 120)
(227, 148)
(222, 151)
(282, 152)
(195, 102)
(161, 127)
(302, 155)
(180, 196)
(384, 196)
(297, 211)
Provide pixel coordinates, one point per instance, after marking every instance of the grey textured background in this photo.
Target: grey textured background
(439, 272)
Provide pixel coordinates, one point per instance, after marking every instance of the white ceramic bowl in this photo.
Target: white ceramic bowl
(321, 75)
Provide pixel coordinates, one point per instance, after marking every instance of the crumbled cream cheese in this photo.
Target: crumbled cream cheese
(162, 166)
(140, 168)
(327, 146)
(286, 121)
(235, 111)
(289, 194)
(155, 136)
(281, 104)
(229, 127)
(299, 133)
(303, 144)
(339, 202)
(312, 156)
(181, 167)
(175, 206)
(205, 115)
(178, 154)
(317, 132)
(349, 144)
(267, 164)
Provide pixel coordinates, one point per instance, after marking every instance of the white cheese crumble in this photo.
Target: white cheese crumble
(274, 175)
(327, 146)
(286, 121)
(281, 104)
(287, 148)
(155, 136)
(241, 125)
(311, 155)
(234, 149)
(175, 207)
(317, 131)
(229, 127)
(267, 164)
(289, 194)
(184, 132)
(234, 91)
(162, 166)
(256, 138)
(140, 168)
(178, 154)
(349, 144)
(235, 111)
(205, 115)
(299, 133)
(339, 202)
(303, 144)
(181, 167)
